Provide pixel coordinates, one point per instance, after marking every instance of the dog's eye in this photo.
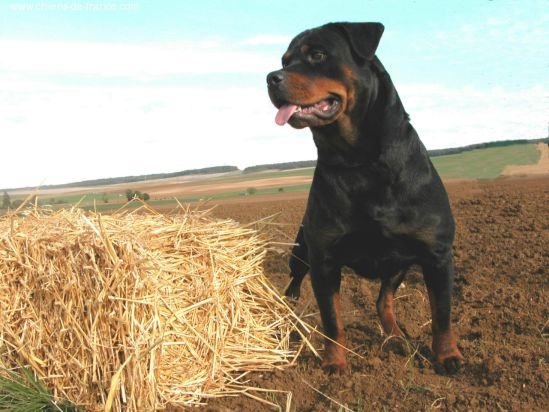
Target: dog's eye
(317, 56)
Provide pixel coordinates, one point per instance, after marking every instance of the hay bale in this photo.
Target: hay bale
(138, 311)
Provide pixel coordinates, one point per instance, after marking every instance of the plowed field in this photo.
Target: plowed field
(501, 313)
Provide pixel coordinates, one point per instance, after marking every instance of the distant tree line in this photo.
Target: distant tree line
(501, 143)
(280, 166)
(140, 178)
(271, 166)
(433, 153)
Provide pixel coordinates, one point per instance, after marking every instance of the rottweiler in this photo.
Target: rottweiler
(376, 203)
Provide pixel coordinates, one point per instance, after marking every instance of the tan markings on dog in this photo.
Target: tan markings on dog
(347, 129)
(349, 73)
(336, 301)
(387, 314)
(351, 97)
(334, 353)
(445, 346)
(330, 86)
(305, 49)
(304, 91)
(444, 342)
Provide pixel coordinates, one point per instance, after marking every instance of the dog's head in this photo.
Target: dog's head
(320, 70)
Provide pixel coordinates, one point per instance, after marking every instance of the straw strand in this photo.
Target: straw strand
(139, 310)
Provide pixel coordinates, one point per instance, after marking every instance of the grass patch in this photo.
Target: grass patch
(245, 193)
(110, 207)
(240, 193)
(485, 163)
(308, 171)
(244, 177)
(24, 393)
(64, 200)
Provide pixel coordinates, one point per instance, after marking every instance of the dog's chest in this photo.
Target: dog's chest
(372, 233)
(369, 249)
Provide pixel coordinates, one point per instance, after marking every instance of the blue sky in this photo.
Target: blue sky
(174, 85)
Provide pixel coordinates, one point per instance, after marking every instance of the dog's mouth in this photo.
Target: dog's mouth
(323, 110)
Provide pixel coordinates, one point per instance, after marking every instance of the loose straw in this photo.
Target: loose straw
(139, 311)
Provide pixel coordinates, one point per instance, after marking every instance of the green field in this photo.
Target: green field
(105, 207)
(485, 163)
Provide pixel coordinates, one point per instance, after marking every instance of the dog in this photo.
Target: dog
(376, 203)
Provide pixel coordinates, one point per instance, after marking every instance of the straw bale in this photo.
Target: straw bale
(138, 311)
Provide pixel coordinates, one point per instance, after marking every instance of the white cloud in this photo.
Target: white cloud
(453, 117)
(78, 133)
(130, 60)
(82, 133)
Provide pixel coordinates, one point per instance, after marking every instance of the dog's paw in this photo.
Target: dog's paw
(335, 367)
(448, 358)
(293, 292)
(449, 363)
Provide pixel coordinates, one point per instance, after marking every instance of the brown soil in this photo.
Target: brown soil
(500, 314)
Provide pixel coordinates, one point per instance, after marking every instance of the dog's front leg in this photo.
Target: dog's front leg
(326, 279)
(439, 281)
(299, 265)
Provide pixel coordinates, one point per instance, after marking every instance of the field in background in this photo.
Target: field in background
(485, 163)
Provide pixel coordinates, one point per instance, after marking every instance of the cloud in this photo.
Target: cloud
(453, 117)
(130, 60)
(79, 133)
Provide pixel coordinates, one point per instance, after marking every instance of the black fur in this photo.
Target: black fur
(376, 204)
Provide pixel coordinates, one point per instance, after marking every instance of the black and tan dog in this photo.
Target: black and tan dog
(376, 203)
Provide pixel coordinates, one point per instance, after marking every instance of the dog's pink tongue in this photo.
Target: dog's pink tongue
(284, 114)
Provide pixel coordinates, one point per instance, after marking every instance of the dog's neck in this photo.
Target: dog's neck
(381, 119)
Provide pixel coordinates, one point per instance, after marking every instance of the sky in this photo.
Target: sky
(94, 90)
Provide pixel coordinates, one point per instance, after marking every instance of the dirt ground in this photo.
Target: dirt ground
(500, 312)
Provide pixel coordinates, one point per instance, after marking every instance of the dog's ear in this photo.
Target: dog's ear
(362, 37)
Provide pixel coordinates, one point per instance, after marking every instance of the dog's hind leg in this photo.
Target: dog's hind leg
(299, 265)
(384, 304)
(439, 281)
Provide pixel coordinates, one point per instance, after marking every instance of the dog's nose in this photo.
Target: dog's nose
(274, 78)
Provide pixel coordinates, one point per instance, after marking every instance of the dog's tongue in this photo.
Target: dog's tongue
(284, 114)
